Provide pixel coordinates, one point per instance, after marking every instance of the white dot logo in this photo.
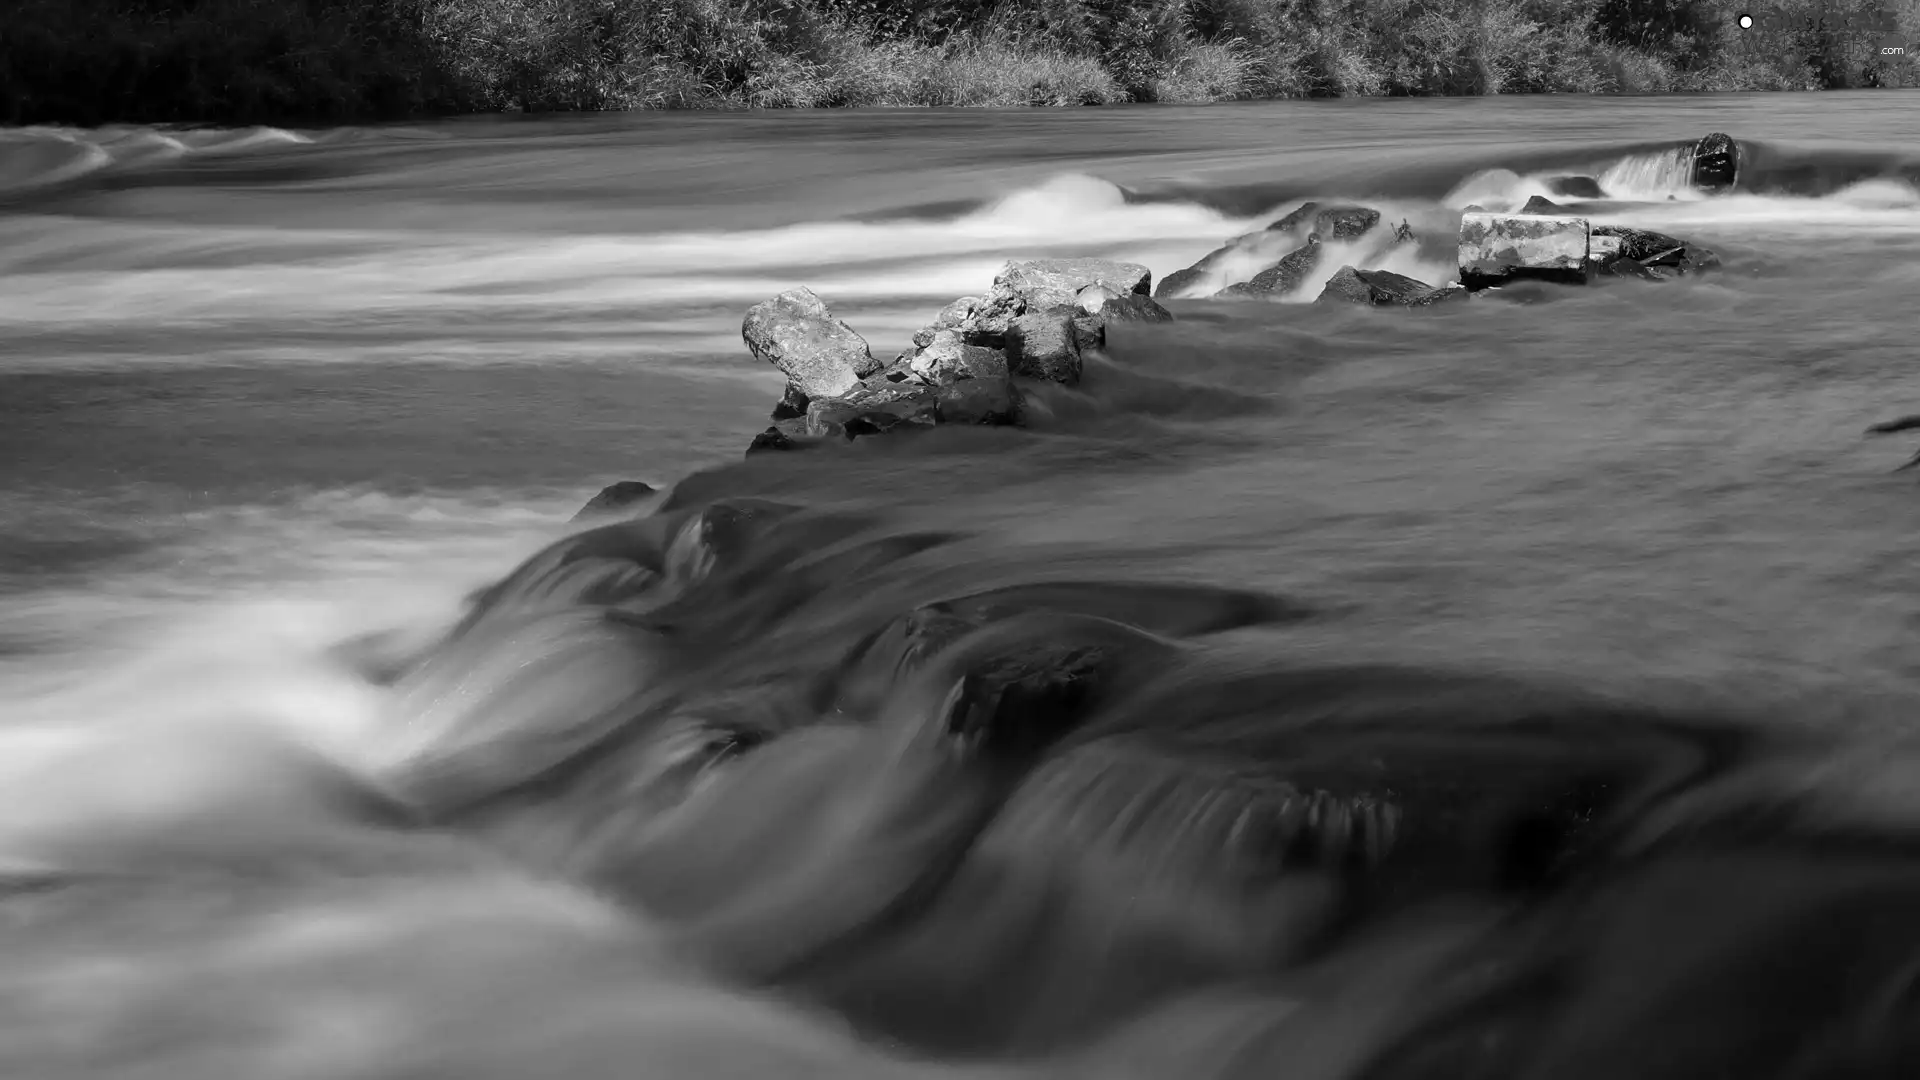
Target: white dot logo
(1746, 22)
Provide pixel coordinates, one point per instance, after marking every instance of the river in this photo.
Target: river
(262, 392)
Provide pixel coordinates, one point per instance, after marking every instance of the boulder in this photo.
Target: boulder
(1282, 277)
(1497, 248)
(1716, 163)
(1576, 187)
(820, 355)
(1042, 345)
(1540, 204)
(1051, 283)
(1382, 288)
(615, 498)
(948, 358)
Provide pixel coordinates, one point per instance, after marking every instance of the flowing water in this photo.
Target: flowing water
(266, 392)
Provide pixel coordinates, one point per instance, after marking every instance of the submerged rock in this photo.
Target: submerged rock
(1496, 248)
(1540, 204)
(1576, 187)
(615, 498)
(1716, 163)
(1904, 423)
(1384, 288)
(796, 332)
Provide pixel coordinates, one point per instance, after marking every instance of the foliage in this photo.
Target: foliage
(327, 61)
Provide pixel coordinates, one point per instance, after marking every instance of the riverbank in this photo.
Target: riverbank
(92, 62)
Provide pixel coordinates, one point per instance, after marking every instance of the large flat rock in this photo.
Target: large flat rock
(1495, 248)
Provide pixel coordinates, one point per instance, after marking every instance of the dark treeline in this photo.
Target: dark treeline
(322, 61)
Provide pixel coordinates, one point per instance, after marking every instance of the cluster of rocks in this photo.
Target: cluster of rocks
(1289, 250)
(1542, 241)
(1036, 322)
(1539, 243)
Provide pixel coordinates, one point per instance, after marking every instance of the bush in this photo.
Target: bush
(331, 61)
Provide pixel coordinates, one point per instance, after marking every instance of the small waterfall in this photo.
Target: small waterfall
(1652, 176)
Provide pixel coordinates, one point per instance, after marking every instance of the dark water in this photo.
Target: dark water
(1570, 590)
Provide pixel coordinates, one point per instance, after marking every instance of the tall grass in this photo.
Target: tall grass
(90, 61)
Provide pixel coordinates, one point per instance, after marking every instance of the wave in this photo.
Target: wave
(34, 160)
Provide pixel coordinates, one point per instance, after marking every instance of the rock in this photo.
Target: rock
(1659, 250)
(1135, 308)
(1576, 187)
(947, 358)
(1540, 204)
(1282, 277)
(792, 404)
(1716, 163)
(1620, 266)
(1094, 297)
(1380, 288)
(1295, 219)
(874, 414)
(1496, 248)
(1191, 282)
(1041, 346)
(788, 434)
(797, 333)
(1898, 424)
(1089, 332)
(977, 401)
(1345, 223)
(616, 497)
(1329, 223)
(950, 317)
(1052, 283)
(1179, 281)
(1403, 233)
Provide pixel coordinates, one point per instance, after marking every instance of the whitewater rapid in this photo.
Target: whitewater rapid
(274, 405)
